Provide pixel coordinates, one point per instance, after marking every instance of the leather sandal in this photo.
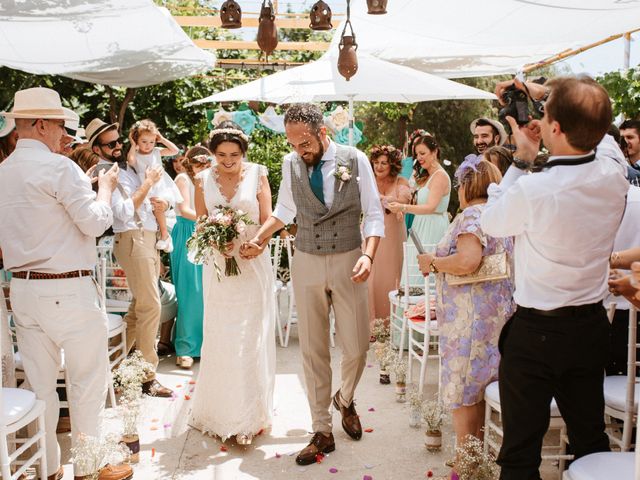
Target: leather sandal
(184, 362)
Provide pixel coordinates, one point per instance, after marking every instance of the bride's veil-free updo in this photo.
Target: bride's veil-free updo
(228, 131)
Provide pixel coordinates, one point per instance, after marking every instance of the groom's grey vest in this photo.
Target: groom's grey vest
(323, 231)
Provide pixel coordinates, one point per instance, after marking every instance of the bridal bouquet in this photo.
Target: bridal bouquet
(215, 232)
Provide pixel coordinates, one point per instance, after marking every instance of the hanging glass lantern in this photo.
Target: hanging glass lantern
(267, 30)
(377, 7)
(320, 16)
(347, 59)
(231, 14)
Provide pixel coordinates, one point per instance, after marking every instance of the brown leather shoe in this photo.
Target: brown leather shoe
(320, 444)
(56, 476)
(112, 472)
(153, 388)
(350, 418)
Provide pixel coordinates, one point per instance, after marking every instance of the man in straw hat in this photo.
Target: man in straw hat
(487, 133)
(134, 247)
(50, 218)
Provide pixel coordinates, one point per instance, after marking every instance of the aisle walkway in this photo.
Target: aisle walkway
(172, 450)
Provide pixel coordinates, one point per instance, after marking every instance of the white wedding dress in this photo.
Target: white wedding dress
(234, 390)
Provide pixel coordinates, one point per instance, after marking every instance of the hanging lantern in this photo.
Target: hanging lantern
(267, 30)
(320, 16)
(377, 7)
(347, 59)
(231, 14)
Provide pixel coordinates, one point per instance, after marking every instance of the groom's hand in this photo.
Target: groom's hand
(252, 248)
(362, 269)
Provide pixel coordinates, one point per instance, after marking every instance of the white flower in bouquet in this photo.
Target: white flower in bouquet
(433, 415)
(91, 454)
(131, 373)
(241, 227)
(472, 463)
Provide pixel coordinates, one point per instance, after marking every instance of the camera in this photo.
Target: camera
(516, 105)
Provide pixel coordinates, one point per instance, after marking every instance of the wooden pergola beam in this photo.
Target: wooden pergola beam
(249, 45)
(213, 21)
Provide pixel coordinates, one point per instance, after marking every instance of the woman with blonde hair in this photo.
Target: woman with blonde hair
(186, 276)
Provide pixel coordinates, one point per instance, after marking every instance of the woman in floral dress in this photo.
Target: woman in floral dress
(470, 316)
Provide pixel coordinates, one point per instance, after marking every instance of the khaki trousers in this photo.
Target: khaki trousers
(135, 251)
(320, 281)
(51, 315)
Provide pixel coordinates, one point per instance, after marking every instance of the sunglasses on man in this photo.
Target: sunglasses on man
(112, 144)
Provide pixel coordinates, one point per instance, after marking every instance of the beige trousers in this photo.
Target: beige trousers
(320, 281)
(135, 251)
(51, 315)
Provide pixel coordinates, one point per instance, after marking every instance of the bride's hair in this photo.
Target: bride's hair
(228, 131)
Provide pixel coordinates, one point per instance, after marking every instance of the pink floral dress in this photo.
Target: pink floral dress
(470, 317)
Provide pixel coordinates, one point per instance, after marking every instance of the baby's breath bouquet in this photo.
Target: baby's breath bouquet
(433, 415)
(381, 330)
(472, 463)
(90, 454)
(131, 373)
(399, 369)
(214, 232)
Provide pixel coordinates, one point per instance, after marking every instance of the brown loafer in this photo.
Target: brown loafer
(350, 418)
(320, 444)
(153, 388)
(112, 472)
(58, 475)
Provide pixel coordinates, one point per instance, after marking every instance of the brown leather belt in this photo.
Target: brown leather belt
(51, 276)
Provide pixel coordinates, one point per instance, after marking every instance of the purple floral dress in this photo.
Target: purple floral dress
(470, 317)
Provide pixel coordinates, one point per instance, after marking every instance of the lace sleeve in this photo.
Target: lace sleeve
(262, 173)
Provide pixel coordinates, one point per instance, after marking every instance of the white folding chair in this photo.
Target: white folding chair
(275, 249)
(614, 465)
(20, 408)
(292, 315)
(621, 392)
(116, 290)
(117, 351)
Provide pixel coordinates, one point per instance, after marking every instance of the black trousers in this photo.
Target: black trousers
(617, 364)
(561, 357)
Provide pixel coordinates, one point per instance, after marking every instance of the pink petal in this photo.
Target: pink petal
(371, 409)
(333, 470)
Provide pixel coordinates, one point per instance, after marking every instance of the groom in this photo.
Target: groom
(330, 266)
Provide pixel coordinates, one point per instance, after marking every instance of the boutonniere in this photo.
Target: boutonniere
(342, 173)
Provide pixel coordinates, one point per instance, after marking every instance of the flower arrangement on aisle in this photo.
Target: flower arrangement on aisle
(472, 463)
(128, 378)
(91, 454)
(215, 232)
(433, 414)
(399, 369)
(382, 348)
(416, 405)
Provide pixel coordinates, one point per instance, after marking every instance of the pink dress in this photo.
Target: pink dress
(387, 268)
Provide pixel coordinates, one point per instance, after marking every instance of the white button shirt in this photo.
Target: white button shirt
(564, 220)
(49, 216)
(123, 211)
(373, 223)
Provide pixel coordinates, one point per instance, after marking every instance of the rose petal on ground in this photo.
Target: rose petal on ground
(367, 477)
(333, 470)
(368, 430)
(192, 382)
(429, 474)
(187, 397)
(179, 386)
(319, 457)
(278, 455)
(166, 425)
(369, 365)
(223, 448)
(153, 452)
(371, 409)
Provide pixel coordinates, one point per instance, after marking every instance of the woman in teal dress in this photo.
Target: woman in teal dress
(407, 167)
(434, 190)
(186, 276)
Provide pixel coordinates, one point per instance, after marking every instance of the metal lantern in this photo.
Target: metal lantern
(377, 7)
(267, 30)
(231, 14)
(347, 59)
(320, 16)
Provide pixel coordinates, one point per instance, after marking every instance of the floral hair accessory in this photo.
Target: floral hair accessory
(382, 149)
(342, 173)
(470, 163)
(229, 131)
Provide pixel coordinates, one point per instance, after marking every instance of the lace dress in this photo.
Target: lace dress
(234, 391)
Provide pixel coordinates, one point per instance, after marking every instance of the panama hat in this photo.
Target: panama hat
(96, 127)
(72, 127)
(496, 124)
(6, 125)
(37, 103)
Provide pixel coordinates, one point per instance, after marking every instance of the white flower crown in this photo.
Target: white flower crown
(231, 131)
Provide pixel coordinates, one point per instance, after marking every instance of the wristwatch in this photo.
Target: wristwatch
(432, 266)
(521, 164)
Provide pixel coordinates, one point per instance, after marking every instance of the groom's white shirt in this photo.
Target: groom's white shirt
(373, 223)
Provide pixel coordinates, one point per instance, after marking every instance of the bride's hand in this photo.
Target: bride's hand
(251, 249)
(227, 250)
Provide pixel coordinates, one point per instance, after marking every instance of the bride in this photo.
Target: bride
(234, 394)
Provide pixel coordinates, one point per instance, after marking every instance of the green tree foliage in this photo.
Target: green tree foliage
(624, 90)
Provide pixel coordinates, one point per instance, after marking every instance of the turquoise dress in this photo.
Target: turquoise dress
(406, 172)
(187, 279)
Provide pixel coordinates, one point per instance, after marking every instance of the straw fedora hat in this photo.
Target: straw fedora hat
(37, 103)
(498, 126)
(6, 125)
(96, 127)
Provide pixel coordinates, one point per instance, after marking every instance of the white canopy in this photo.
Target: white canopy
(129, 43)
(465, 38)
(375, 81)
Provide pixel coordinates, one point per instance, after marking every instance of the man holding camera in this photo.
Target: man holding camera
(564, 220)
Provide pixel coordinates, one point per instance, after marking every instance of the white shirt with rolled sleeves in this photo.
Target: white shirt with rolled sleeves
(123, 211)
(49, 215)
(564, 220)
(373, 221)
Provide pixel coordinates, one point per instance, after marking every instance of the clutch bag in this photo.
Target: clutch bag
(492, 267)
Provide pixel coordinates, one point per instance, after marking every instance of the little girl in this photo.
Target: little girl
(144, 154)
